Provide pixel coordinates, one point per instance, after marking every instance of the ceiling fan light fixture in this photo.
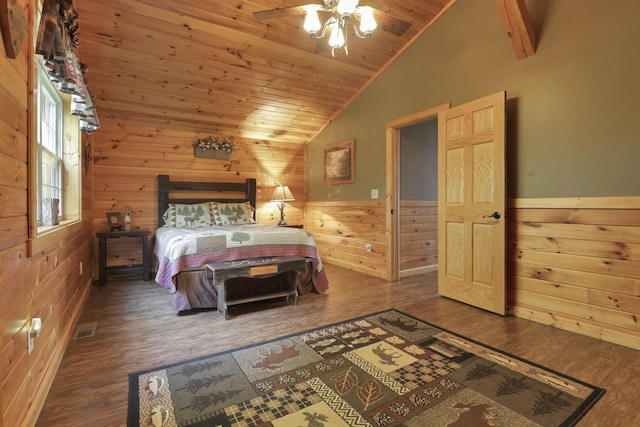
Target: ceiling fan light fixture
(343, 14)
(342, 17)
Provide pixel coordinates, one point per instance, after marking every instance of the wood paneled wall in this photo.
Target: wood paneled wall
(128, 159)
(418, 237)
(575, 265)
(342, 229)
(48, 285)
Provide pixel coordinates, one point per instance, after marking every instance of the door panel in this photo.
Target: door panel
(471, 187)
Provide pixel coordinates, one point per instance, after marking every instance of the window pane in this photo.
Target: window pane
(49, 124)
(50, 178)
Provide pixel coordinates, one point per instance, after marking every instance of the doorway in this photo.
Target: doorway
(418, 188)
(471, 200)
(395, 263)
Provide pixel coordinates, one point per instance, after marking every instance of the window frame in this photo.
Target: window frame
(42, 238)
(46, 89)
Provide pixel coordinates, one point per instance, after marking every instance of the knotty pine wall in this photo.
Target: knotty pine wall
(48, 284)
(342, 229)
(127, 161)
(575, 264)
(418, 237)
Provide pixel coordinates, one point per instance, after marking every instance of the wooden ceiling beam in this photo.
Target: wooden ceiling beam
(519, 27)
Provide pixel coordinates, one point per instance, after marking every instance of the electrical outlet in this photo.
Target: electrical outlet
(374, 193)
(33, 332)
(368, 247)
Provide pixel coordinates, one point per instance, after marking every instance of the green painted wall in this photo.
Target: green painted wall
(572, 108)
(419, 161)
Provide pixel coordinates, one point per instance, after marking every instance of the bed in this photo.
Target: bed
(206, 222)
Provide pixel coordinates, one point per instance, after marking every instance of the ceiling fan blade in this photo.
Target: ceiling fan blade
(390, 24)
(280, 12)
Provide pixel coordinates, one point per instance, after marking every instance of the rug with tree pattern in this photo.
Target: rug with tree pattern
(384, 369)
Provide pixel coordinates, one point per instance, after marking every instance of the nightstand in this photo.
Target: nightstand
(105, 236)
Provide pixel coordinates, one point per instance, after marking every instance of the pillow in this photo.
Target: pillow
(181, 215)
(232, 213)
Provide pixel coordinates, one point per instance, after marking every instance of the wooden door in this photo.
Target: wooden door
(471, 188)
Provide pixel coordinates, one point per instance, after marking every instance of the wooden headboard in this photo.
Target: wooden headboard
(216, 189)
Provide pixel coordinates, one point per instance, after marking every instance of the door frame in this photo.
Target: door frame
(392, 198)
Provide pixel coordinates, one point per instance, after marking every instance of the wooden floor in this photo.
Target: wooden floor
(137, 330)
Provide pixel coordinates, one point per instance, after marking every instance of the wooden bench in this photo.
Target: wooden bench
(220, 272)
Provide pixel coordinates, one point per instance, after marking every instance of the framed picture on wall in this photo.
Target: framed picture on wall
(339, 163)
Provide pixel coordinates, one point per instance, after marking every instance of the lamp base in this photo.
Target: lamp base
(281, 207)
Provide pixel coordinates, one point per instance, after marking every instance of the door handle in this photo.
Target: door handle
(495, 215)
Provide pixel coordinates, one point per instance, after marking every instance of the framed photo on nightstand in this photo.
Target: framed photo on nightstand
(114, 219)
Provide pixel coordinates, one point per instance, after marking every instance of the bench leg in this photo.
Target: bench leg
(296, 285)
(219, 287)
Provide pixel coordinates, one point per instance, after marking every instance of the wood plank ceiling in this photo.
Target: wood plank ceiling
(210, 66)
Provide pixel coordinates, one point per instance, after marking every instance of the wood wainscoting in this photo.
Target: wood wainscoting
(343, 229)
(575, 264)
(418, 237)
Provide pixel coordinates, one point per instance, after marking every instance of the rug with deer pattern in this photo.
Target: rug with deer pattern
(384, 369)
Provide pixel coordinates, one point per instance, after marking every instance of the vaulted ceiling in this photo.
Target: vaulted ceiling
(211, 66)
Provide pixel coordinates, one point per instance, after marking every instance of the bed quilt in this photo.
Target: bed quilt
(180, 249)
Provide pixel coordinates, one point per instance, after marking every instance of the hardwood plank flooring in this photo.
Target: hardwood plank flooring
(137, 329)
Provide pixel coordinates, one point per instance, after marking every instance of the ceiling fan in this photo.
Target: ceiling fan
(341, 13)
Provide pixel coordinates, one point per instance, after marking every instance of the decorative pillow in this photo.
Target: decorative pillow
(232, 213)
(196, 215)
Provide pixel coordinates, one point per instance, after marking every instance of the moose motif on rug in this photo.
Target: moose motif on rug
(408, 325)
(274, 356)
(385, 357)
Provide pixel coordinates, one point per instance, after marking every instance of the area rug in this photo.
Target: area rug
(383, 369)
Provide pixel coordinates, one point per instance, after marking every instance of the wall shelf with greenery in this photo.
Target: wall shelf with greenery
(212, 147)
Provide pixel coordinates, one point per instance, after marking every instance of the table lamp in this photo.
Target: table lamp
(282, 194)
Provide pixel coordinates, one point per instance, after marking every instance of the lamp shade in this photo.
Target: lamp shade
(312, 21)
(347, 7)
(367, 22)
(336, 39)
(282, 194)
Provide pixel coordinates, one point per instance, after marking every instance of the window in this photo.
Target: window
(55, 159)
(49, 145)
